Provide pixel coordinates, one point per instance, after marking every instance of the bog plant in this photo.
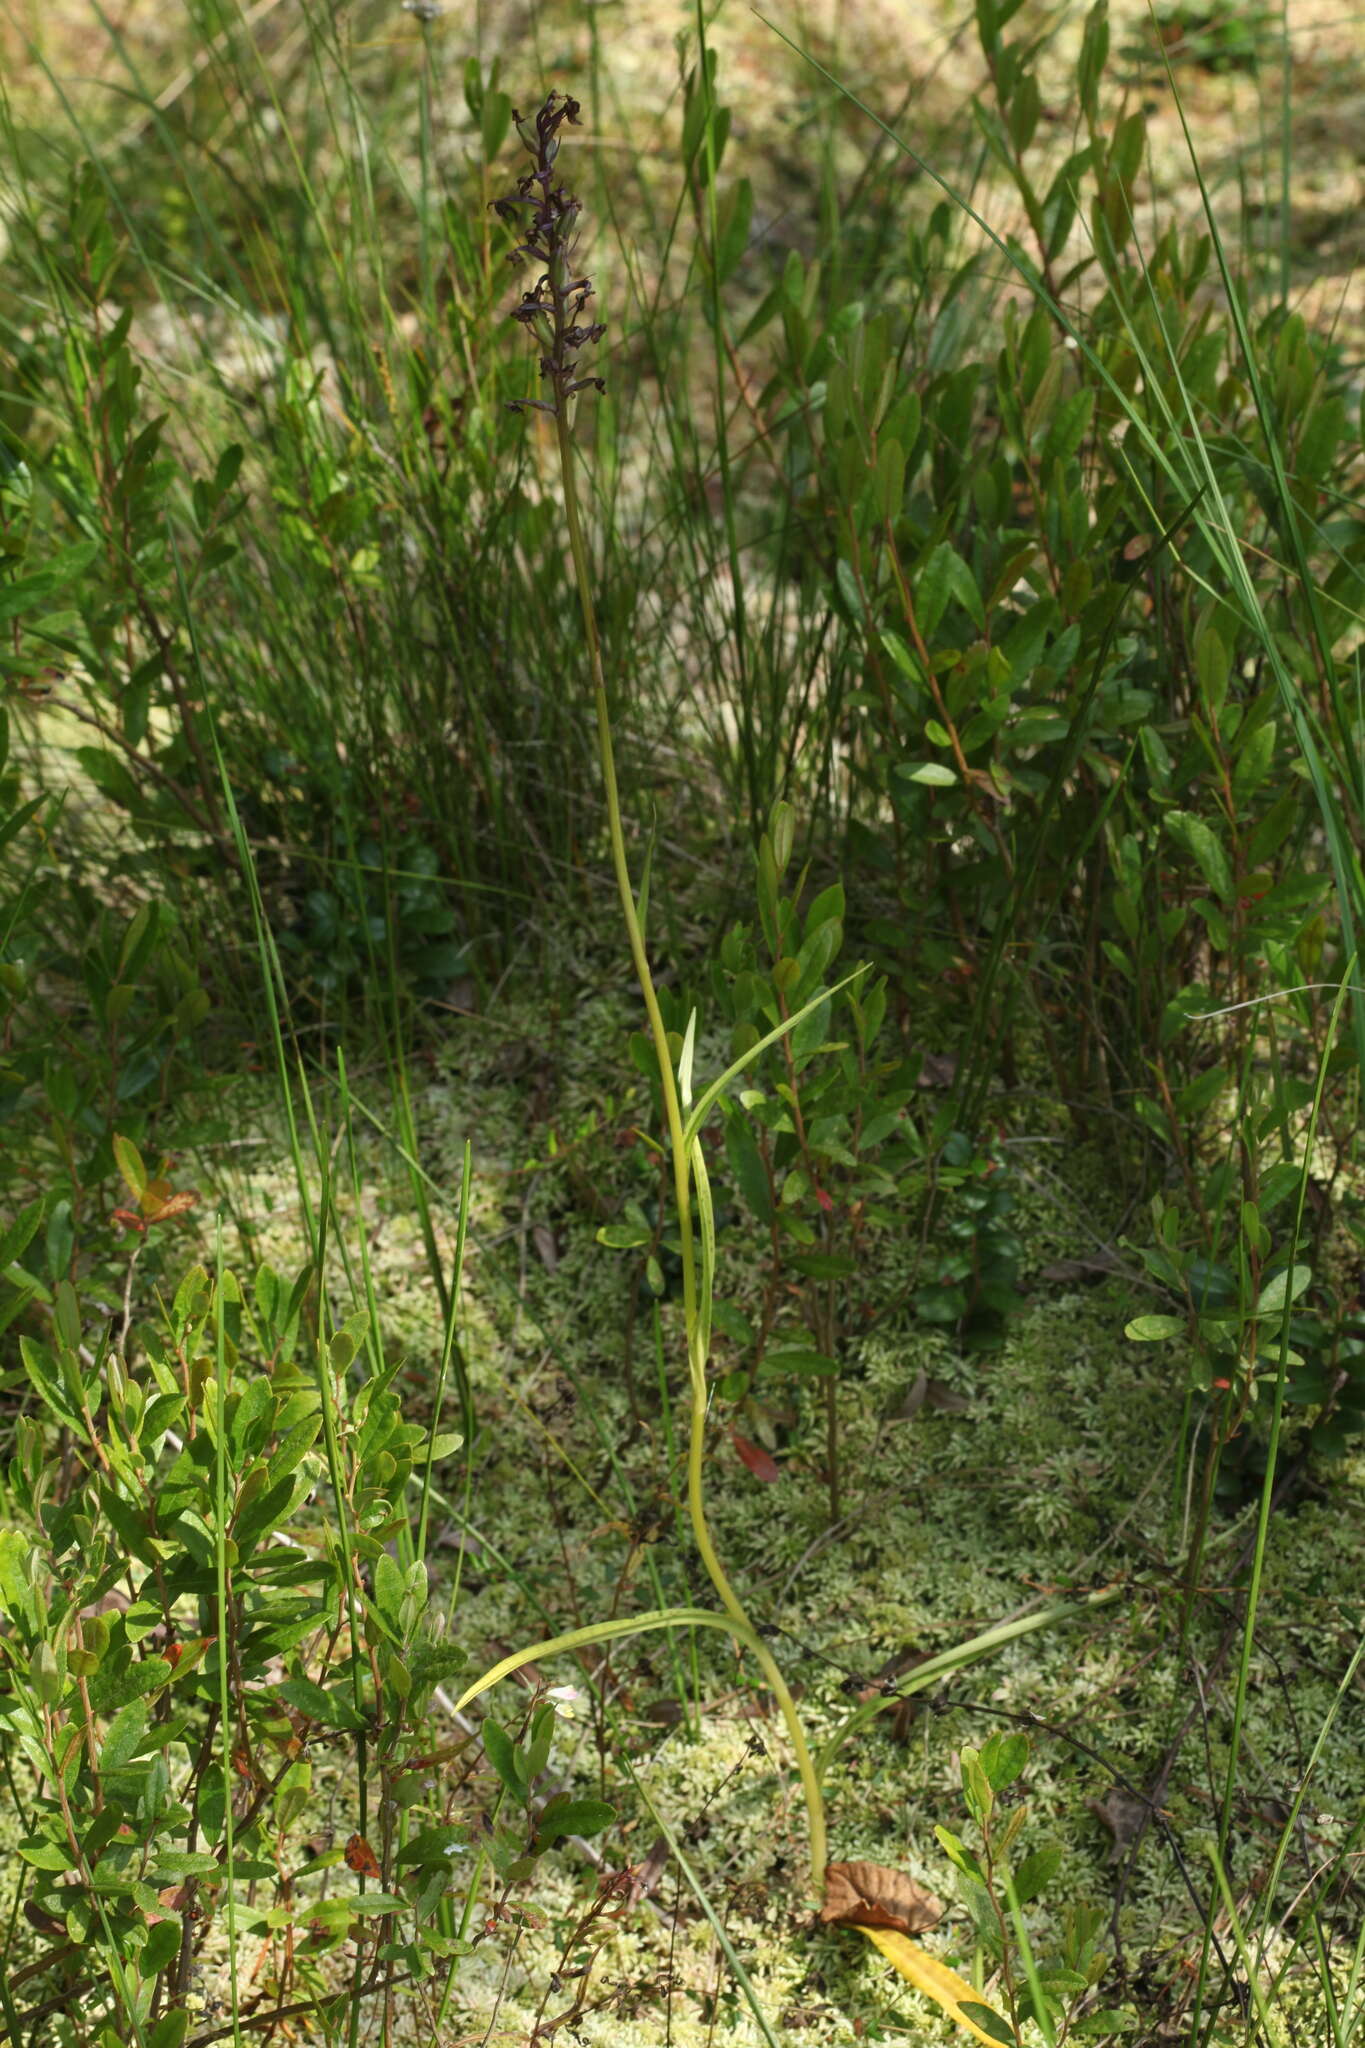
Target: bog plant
(545, 215)
(997, 1879)
(188, 1643)
(1044, 612)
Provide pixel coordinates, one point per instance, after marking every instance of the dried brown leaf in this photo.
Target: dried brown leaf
(937, 1070)
(946, 1399)
(873, 1895)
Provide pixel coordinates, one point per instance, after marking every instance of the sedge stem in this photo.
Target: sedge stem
(682, 1184)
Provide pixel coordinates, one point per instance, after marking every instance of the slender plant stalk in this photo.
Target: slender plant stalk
(682, 1179)
(223, 1598)
(551, 310)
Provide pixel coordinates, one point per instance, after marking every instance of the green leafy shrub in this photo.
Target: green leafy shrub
(971, 1280)
(997, 1882)
(202, 1604)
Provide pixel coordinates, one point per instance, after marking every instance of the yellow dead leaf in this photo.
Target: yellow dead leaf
(936, 1981)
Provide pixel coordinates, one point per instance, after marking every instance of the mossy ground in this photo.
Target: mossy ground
(1051, 1464)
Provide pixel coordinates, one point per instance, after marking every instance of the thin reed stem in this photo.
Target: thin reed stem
(682, 1181)
(554, 311)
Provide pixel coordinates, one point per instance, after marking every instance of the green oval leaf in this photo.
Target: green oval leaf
(1286, 1285)
(1154, 1329)
(565, 1816)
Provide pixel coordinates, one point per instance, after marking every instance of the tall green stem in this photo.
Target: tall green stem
(682, 1178)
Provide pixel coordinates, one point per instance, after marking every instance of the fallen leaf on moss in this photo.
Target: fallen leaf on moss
(954, 1994)
(871, 1895)
(946, 1399)
(756, 1458)
(887, 1906)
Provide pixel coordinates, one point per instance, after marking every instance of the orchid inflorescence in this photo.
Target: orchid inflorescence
(545, 216)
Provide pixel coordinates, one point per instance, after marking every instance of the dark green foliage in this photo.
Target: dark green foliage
(972, 1269)
(1027, 573)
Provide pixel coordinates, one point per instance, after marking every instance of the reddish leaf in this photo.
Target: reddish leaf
(183, 1657)
(174, 1205)
(360, 1857)
(129, 1221)
(759, 1462)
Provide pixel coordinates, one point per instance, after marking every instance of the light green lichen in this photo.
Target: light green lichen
(1059, 1467)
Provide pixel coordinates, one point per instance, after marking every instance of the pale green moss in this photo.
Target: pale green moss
(1060, 1466)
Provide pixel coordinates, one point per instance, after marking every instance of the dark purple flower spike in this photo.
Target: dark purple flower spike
(545, 217)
